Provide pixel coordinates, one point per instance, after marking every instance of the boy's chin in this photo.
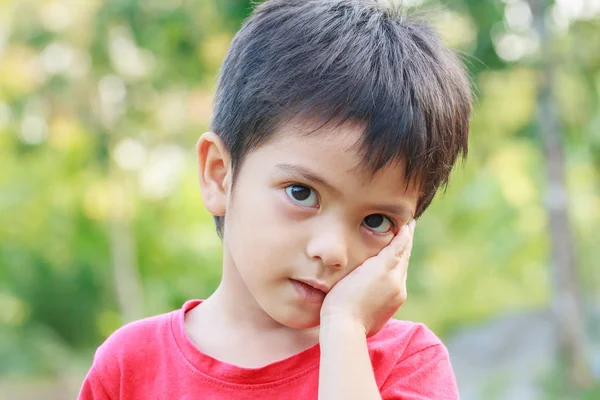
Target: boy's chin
(305, 325)
(297, 320)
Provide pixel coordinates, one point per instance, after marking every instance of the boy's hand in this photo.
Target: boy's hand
(371, 294)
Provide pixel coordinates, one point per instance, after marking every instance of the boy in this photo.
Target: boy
(335, 123)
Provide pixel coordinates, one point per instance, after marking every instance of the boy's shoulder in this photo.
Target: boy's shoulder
(408, 357)
(412, 333)
(133, 354)
(399, 340)
(137, 340)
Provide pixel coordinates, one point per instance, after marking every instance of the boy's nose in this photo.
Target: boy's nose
(329, 248)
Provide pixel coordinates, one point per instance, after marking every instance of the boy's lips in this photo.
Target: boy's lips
(315, 284)
(310, 290)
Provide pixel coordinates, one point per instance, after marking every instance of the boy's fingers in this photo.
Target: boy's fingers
(400, 245)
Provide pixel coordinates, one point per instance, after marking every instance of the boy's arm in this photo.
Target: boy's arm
(345, 370)
(347, 373)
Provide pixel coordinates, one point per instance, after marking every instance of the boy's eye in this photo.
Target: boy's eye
(378, 223)
(302, 195)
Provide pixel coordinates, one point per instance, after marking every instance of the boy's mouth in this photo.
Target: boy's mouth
(310, 290)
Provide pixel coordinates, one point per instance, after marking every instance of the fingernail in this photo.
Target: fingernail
(412, 224)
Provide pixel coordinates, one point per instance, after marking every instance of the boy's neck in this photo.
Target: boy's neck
(230, 318)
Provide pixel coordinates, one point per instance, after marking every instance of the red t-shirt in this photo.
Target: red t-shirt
(154, 359)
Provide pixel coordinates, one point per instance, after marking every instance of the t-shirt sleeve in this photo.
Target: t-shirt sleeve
(92, 387)
(102, 381)
(123, 363)
(424, 375)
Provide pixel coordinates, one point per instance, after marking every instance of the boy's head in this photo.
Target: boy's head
(335, 123)
(339, 60)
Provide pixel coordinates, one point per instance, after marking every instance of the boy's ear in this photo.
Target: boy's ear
(214, 169)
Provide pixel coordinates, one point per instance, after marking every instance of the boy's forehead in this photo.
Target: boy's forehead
(333, 150)
(342, 140)
(344, 137)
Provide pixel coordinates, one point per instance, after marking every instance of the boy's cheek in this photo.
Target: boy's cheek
(271, 220)
(286, 211)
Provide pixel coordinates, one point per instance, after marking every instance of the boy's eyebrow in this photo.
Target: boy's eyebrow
(399, 209)
(308, 174)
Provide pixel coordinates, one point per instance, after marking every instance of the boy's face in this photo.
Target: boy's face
(301, 210)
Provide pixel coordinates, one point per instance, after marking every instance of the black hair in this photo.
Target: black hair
(358, 60)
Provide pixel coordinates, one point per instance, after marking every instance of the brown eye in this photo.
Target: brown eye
(378, 223)
(302, 195)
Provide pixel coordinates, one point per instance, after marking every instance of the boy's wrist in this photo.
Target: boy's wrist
(337, 323)
(345, 370)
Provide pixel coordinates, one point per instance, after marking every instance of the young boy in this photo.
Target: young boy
(335, 123)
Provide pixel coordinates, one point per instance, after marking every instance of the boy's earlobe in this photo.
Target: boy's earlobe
(214, 169)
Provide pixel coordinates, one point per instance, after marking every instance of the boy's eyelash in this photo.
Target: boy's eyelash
(287, 185)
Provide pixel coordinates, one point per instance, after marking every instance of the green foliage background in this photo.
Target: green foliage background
(101, 103)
